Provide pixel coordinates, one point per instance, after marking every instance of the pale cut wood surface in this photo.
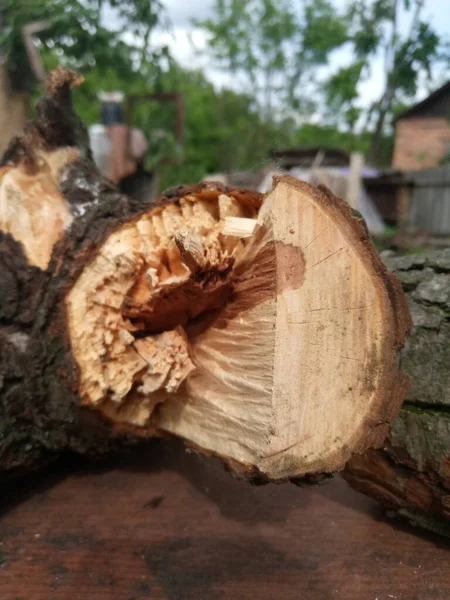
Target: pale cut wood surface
(32, 208)
(295, 371)
(297, 397)
(152, 318)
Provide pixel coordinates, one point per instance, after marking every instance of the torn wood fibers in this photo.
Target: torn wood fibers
(262, 330)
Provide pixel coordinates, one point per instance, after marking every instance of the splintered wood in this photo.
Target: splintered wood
(148, 281)
(268, 338)
(32, 208)
(261, 330)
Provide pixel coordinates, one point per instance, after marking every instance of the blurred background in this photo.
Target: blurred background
(351, 93)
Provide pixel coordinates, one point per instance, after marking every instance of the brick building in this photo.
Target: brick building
(422, 133)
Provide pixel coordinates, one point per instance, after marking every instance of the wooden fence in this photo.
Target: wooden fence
(429, 210)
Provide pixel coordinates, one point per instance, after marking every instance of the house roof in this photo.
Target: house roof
(426, 103)
(305, 156)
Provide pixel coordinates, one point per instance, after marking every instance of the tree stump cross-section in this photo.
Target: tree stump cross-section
(263, 330)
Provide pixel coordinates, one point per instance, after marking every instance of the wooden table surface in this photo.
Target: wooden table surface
(164, 524)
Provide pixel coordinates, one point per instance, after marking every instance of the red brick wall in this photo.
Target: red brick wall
(420, 143)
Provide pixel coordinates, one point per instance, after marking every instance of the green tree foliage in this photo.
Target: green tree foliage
(223, 132)
(375, 30)
(76, 37)
(276, 53)
(273, 49)
(140, 17)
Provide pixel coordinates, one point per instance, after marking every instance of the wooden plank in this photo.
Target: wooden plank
(403, 209)
(164, 525)
(429, 210)
(354, 179)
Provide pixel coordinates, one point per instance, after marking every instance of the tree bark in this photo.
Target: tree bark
(214, 315)
(411, 473)
(14, 110)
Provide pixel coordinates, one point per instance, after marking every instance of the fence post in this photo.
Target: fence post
(403, 208)
(354, 179)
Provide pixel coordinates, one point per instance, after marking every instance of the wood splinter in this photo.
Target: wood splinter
(238, 227)
(263, 330)
(191, 248)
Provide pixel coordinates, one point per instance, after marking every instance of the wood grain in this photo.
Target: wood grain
(149, 319)
(178, 527)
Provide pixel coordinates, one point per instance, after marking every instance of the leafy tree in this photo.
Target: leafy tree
(374, 29)
(272, 49)
(140, 18)
(224, 129)
(74, 36)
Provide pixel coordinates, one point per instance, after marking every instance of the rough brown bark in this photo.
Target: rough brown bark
(40, 413)
(14, 110)
(40, 416)
(98, 337)
(411, 474)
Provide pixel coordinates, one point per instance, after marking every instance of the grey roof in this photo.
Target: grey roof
(428, 101)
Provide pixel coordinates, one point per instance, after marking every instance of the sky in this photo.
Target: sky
(186, 42)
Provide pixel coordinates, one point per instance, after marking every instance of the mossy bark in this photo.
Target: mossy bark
(411, 474)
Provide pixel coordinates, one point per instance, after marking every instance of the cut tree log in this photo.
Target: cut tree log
(411, 473)
(261, 330)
